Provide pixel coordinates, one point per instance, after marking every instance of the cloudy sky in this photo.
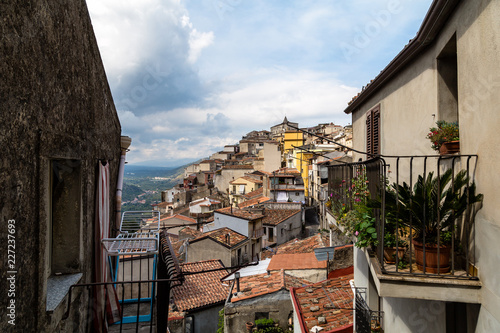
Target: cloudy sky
(191, 76)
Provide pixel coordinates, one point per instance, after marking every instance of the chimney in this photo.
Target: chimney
(237, 277)
(228, 238)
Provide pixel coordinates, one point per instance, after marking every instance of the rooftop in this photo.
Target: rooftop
(291, 261)
(254, 194)
(306, 245)
(180, 217)
(263, 284)
(241, 213)
(330, 299)
(239, 166)
(253, 202)
(276, 216)
(221, 237)
(243, 180)
(203, 289)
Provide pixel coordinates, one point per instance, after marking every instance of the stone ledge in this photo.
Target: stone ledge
(58, 288)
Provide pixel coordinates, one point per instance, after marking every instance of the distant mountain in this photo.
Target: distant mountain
(130, 192)
(140, 171)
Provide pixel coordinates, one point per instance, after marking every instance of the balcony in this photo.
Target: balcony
(137, 300)
(257, 233)
(422, 224)
(287, 187)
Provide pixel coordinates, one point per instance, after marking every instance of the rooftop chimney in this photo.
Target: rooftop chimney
(237, 277)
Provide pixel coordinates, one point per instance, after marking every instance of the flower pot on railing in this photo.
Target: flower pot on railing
(451, 147)
(391, 252)
(432, 260)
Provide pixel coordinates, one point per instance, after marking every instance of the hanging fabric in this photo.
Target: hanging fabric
(106, 306)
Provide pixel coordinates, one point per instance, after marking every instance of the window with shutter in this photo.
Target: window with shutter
(373, 131)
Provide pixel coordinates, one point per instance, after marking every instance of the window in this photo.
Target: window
(65, 216)
(373, 131)
(448, 82)
(261, 315)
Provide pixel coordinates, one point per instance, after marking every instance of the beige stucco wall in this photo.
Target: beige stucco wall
(221, 181)
(207, 249)
(272, 157)
(408, 103)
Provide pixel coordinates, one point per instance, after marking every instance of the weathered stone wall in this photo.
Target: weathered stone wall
(55, 104)
(278, 305)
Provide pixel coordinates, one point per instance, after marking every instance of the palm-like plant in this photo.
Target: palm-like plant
(433, 205)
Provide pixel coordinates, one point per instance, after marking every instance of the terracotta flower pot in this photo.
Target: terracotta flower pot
(390, 254)
(431, 257)
(249, 325)
(450, 147)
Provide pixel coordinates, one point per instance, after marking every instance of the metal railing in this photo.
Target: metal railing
(257, 233)
(385, 179)
(367, 320)
(138, 296)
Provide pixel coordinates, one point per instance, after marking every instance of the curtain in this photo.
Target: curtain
(106, 307)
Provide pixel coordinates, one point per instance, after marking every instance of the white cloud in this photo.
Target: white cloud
(187, 80)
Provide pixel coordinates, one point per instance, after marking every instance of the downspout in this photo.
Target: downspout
(124, 143)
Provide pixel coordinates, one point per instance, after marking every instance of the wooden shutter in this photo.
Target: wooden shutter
(373, 131)
(376, 131)
(369, 132)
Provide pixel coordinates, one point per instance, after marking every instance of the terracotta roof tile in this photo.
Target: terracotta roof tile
(199, 290)
(295, 261)
(246, 166)
(220, 236)
(188, 232)
(253, 202)
(254, 194)
(262, 284)
(333, 299)
(178, 216)
(239, 213)
(276, 216)
(306, 245)
(247, 178)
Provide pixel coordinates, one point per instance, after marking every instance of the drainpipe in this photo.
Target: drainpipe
(125, 143)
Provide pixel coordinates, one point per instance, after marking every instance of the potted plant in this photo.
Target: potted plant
(393, 245)
(445, 137)
(430, 209)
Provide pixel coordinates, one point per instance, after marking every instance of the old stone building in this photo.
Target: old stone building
(57, 122)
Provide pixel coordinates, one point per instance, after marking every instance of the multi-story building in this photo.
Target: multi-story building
(449, 71)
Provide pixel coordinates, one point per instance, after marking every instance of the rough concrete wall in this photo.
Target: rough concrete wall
(407, 315)
(207, 320)
(278, 304)
(313, 275)
(56, 103)
(207, 249)
(284, 234)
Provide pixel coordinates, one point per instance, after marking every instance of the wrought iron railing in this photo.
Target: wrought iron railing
(380, 175)
(257, 233)
(367, 320)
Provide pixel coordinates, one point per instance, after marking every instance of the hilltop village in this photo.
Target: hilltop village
(388, 225)
(261, 200)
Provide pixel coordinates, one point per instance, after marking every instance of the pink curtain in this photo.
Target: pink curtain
(103, 296)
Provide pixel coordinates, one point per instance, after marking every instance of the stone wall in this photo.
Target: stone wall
(56, 104)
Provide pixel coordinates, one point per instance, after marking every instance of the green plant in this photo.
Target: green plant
(264, 322)
(220, 324)
(271, 329)
(366, 232)
(444, 132)
(433, 204)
